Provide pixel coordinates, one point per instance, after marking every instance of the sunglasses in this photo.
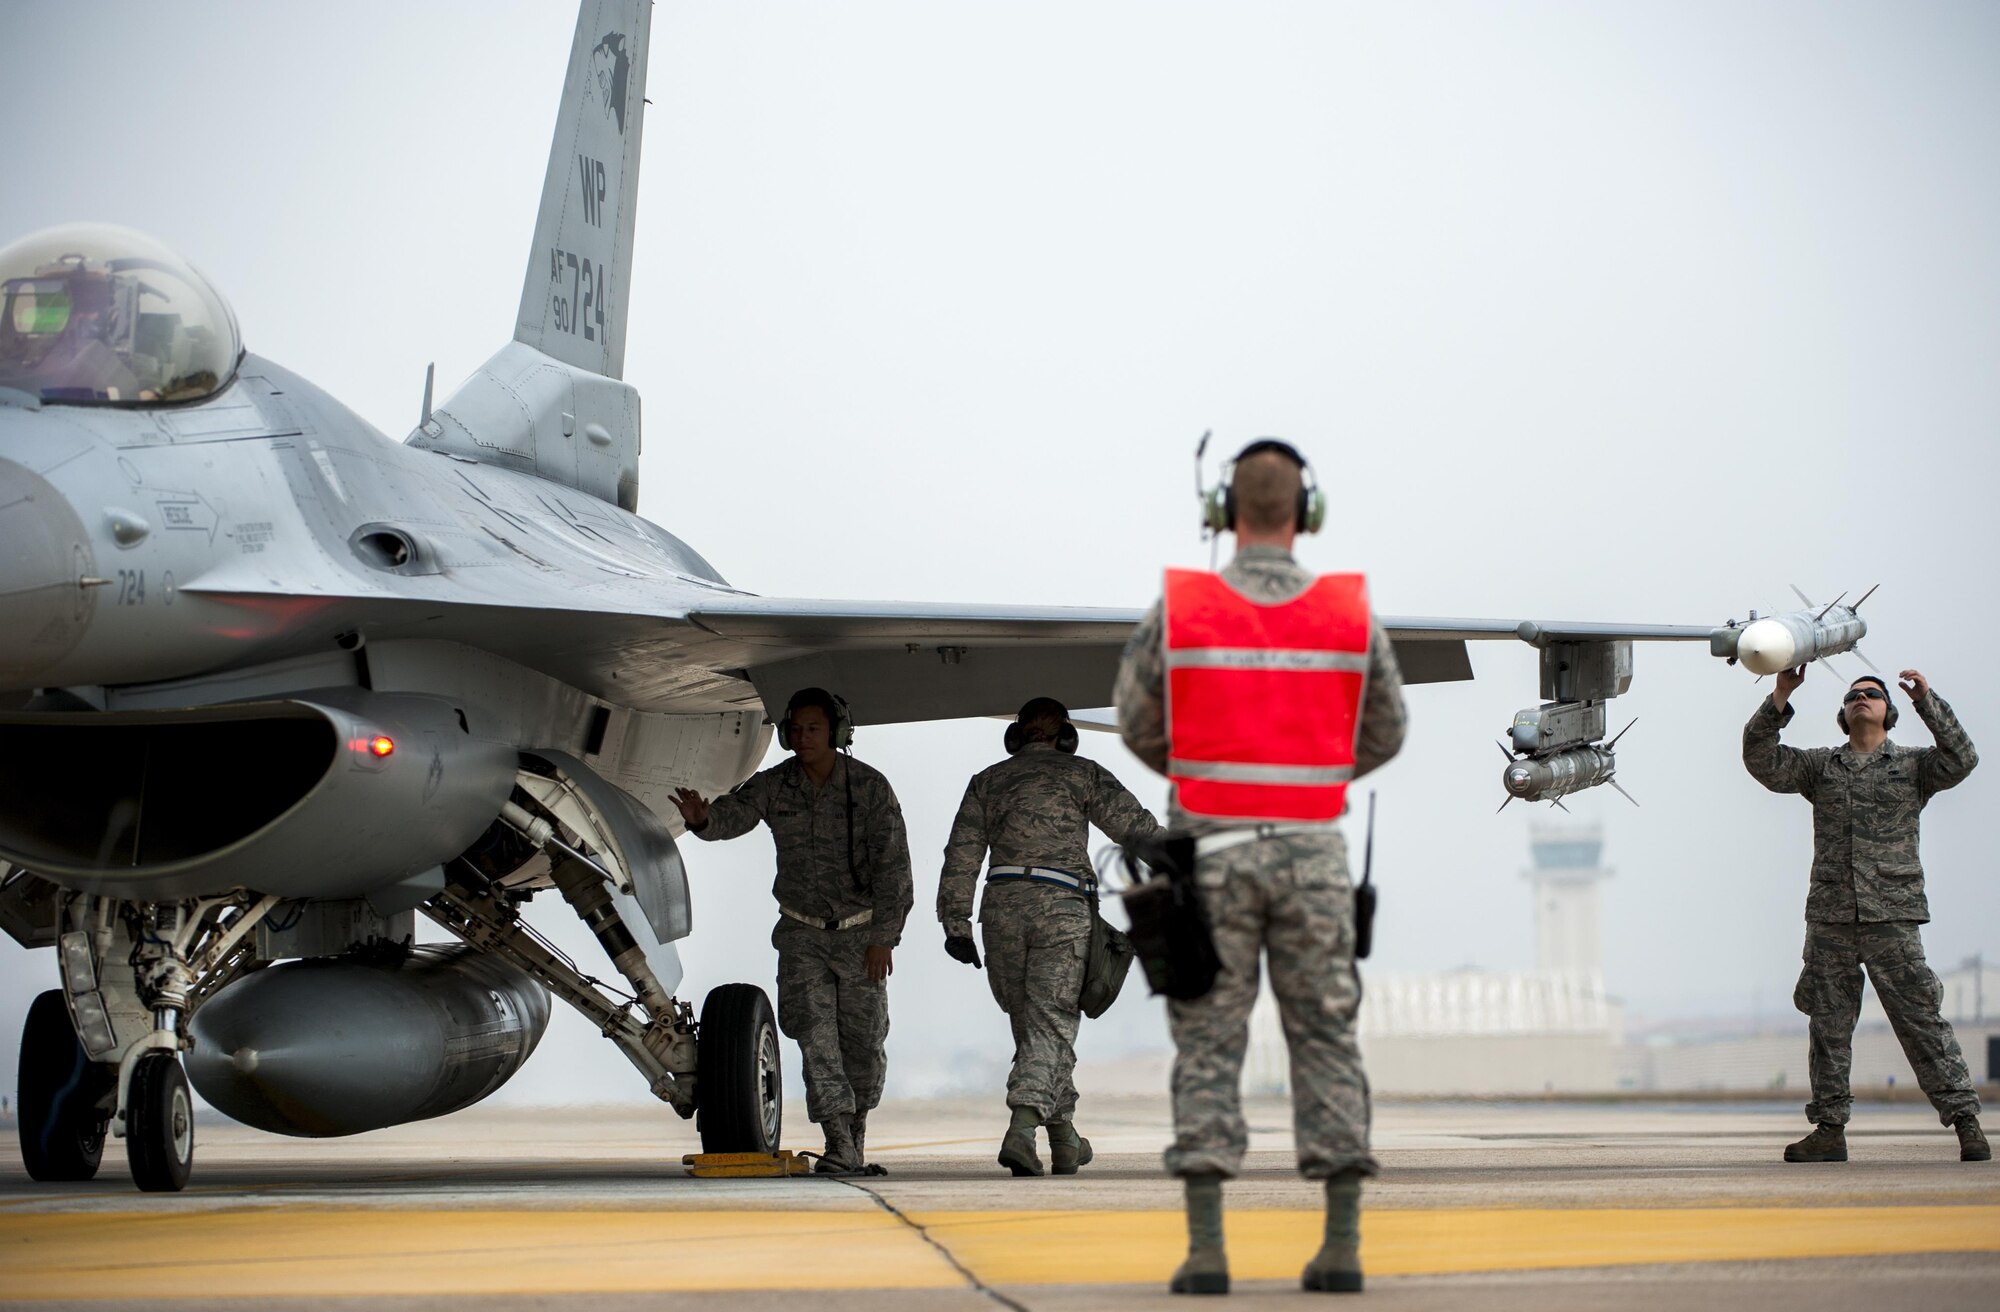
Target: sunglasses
(1872, 694)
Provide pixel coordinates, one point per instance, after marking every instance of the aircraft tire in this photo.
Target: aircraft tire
(159, 1124)
(60, 1120)
(740, 1089)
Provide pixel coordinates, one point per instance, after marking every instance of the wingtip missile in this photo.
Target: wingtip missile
(1781, 642)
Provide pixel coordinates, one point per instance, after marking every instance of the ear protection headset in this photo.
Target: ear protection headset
(839, 722)
(1889, 715)
(1218, 508)
(1017, 733)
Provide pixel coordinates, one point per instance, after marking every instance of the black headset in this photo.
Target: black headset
(1218, 507)
(840, 722)
(1017, 733)
(1889, 717)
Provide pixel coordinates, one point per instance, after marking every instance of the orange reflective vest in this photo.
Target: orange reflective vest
(1264, 701)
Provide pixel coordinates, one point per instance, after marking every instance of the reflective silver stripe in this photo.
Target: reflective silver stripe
(1239, 772)
(1266, 658)
(821, 922)
(1210, 844)
(1041, 874)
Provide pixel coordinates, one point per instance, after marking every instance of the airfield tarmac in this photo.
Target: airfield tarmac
(1548, 1206)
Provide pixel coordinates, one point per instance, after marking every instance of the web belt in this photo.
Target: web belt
(1041, 875)
(824, 922)
(1210, 844)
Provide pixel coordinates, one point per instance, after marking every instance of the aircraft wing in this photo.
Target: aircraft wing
(897, 661)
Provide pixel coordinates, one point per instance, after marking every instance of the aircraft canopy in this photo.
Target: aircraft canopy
(99, 315)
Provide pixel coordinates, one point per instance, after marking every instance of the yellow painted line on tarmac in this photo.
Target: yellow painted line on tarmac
(1005, 1248)
(276, 1252)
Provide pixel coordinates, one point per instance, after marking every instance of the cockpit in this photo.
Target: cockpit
(97, 315)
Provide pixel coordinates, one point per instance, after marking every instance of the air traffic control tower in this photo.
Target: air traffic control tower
(1568, 868)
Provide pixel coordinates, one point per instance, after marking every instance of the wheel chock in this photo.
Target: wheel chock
(724, 1166)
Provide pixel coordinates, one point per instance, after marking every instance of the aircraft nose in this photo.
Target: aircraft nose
(44, 553)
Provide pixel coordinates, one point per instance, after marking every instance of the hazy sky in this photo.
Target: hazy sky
(1624, 312)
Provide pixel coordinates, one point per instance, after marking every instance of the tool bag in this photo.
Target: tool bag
(1105, 965)
(1170, 927)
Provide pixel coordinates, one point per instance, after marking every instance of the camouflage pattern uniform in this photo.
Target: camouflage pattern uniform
(826, 1001)
(1035, 809)
(1288, 897)
(1867, 899)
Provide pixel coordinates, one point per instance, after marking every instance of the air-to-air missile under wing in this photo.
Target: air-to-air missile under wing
(284, 683)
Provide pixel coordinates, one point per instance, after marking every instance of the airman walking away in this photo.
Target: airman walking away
(1866, 900)
(1033, 812)
(1260, 693)
(843, 891)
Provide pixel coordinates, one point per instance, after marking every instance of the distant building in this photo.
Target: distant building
(1479, 1031)
(1724, 1055)
(1568, 909)
(1556, 1029)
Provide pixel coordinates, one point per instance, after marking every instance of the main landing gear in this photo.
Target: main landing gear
(66, 1099)
(742, 1104)
(101, 1057)
(726, 1069)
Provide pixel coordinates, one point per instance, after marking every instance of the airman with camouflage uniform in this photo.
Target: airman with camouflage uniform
(1866, 899)
(843, 891)
(1287, 896)
(1033, 811)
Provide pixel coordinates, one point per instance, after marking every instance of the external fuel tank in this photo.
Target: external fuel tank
(337, 1045)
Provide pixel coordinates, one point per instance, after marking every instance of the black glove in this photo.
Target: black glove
(959, 947)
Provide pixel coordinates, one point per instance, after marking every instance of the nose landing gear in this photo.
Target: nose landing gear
(159, 1124)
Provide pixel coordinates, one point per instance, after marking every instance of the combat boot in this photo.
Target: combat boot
(1017, 1150)
(1336, 1268)
(860, 1126)
(841, 1155)
(1206, 1270)
(1972, 1146)
(1067, 1149)
(1827, 1143)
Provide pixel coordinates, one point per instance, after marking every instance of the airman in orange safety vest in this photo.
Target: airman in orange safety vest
(1262, 692)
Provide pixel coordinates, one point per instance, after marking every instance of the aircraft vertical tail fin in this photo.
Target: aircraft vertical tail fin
(553, 402)
(579, 269)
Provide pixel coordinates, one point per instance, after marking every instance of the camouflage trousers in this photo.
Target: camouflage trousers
(1036, 938)
(1288, 899)
(839, 1016)
(1829, 993)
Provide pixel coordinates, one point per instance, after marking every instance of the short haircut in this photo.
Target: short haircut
(1042, 719)
(1875, 679)
(818, 698)
(1266, 485)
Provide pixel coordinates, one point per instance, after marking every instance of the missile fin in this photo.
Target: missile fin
(1557, 803)
(1834, 670)
(1621, 791)
(1802, 596)
(1856, 650)
(1621, 733)
(1504, 751)
(1503, 806)
(1864, 596)
(1829, 606)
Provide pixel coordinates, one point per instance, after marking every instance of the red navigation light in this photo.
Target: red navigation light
(381, 745)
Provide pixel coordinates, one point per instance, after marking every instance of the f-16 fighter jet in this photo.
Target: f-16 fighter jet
(284, 683)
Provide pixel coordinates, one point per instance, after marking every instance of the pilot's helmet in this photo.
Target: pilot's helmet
(93, 314)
